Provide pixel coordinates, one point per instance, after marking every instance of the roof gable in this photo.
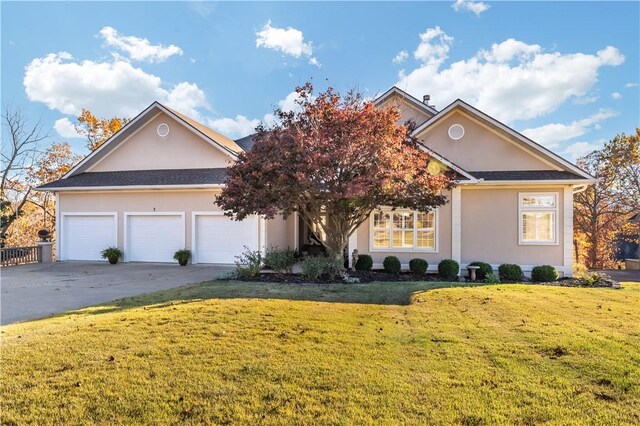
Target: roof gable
(411, 108)
(225, 147)
(530, 147)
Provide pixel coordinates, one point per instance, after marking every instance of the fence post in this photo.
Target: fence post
(46, 252)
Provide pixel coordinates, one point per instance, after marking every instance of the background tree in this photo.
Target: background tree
(602, 210)
(20, 149)
(98, 130)
(333, 161)
(56, 161)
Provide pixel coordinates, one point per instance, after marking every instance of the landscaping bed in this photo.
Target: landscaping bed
(362, 276)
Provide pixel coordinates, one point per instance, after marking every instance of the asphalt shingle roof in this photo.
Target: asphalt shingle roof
(525, 175)
(142, 178)
(246, 143)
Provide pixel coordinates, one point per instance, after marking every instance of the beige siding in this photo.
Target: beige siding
(409, 112)
(490, 228)
(185, 202)
(145, 150)
(480, 149)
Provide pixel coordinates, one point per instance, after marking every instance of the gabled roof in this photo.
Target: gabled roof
(450, 164)
(226, 145)
(396, 91)
(506, 131)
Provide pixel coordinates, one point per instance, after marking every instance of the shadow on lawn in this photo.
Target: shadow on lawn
(383, 293)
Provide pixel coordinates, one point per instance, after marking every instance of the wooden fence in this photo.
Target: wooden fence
(19, 255)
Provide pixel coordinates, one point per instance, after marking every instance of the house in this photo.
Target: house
(151, 189)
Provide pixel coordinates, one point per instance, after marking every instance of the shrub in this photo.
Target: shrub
(392, 265)
(592, 279)
(510, 272)
(544, 273)
(313, 266)
(484, 270)
(280, 260)
(248, 263)
(418, 266)
(182, 256)
(492, 278)
(448, 269)
(580, 271)
(364, 263)
(111, 253)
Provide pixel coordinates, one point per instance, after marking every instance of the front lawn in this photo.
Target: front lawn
(385, 353)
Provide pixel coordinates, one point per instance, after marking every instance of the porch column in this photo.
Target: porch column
(353, 245)
(567, 227)
(456, 224)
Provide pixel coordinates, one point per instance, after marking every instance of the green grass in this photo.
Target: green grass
(411, 353)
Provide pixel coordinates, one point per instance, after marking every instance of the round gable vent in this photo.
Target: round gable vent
(456, 132)
(163, 130)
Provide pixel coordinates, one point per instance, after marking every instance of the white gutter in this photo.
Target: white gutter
(129, 187)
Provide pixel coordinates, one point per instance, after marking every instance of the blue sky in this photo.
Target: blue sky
(564, 73)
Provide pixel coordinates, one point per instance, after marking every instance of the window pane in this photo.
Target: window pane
(538, 226)
(381, 220)
(381, 238)
(403, 239)
(426, 239)
(547, 200)
(403, 220)
(425, 220)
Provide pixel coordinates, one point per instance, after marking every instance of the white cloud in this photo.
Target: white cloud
(187, 98)
(65, 128)
(400, 57)
(550, 135)
(234, 127)
(476, 7)
(107, 89)
(580, 149)
(511, 81)
(138, 49)
(242, 126)
(584, 100)
(616, 95)
(289, 41)
(630, 85)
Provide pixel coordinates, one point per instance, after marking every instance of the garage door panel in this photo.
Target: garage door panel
(218, 239)
(154, 238)
(84, 237)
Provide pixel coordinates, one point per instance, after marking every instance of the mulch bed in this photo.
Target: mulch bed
(572, 282)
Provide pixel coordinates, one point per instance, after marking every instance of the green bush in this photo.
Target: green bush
(592, 279)
(280, 260)
(544, 273)
(510, 272)
(249, 263)
(418, 266)
(484, 270)
(313, 266)
(392, 265)
(448, 269)
(364, 263)
(492, 278)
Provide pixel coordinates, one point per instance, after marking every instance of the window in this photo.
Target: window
(403, 230)
(538, 218)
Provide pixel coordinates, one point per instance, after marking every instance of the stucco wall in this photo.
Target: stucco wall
(408, 111)
(490, 228)
(480, 149)
(146, 150)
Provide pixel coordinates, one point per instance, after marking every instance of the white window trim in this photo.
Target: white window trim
(414, 249)
(521, 209)
(153, 213)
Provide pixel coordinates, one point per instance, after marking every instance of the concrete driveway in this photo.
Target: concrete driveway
(37, 290)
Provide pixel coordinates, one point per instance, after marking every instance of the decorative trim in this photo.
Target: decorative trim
(567, 227)
(60, 227)
(456, 224)
(521, 209)
(152, 213)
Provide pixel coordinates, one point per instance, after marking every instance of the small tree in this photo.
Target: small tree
(98, 130)
(333, 160)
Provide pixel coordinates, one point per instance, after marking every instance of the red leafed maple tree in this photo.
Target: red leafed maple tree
(333, 160)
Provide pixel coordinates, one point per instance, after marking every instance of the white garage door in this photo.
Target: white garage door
(84, 237)
(153, 238)
(218, 239)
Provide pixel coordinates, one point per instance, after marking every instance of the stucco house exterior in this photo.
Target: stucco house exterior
(151, 189)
